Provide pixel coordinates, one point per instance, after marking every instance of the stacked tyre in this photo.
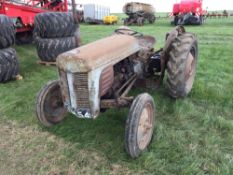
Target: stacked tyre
(55, 33)
(9, 64)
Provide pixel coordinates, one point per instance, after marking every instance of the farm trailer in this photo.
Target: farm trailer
(138, 13)
(94, 14)
(188, 12)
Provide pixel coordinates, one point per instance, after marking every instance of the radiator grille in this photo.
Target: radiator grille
(81, 90)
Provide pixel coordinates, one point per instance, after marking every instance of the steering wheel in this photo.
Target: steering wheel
(134, 33)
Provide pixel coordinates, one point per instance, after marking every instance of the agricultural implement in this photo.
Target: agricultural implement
(98, 76)
(23, 12)
(138, 13)
(188, 12)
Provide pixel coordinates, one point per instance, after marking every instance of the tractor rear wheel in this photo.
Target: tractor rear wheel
(181, 66)
(9, 64)
(49, 49)
(7, 32)
(139, 125)
(54, 25)
(50, 108)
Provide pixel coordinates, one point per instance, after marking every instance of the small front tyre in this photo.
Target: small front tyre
(139, 125)
(50, 109)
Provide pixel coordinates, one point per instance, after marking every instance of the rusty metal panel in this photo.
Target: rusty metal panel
(101, 53)
(106, 80)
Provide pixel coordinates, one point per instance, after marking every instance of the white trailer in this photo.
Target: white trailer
(94, 13)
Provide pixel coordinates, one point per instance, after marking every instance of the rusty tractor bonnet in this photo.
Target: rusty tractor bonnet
(87, 72)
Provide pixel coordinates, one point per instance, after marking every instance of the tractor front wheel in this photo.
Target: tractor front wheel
(181, 66)
(50, 108)
(139, 125)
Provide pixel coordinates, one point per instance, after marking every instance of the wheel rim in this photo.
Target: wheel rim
(190, 70)
(54, 110)
(145, 127)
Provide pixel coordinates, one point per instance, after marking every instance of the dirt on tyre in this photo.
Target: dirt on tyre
(49, 49)
(7, 32)
(9, 65)
(181, 66)
(139, 125)
(54, 25)
(50, 108)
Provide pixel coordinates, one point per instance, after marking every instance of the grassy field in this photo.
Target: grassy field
(192, 136)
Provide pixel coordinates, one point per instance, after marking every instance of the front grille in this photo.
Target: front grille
(75, 89)
(81, 90)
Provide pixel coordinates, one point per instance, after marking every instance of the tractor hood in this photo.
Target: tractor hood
(101, 53)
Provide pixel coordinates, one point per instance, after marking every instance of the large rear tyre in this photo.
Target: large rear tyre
(139, 125)
(49, 49)
(9, 65)
(7, 32)
(181, 66)
(54, 25)
(50, 109)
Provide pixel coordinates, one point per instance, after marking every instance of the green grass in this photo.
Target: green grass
(192, 136)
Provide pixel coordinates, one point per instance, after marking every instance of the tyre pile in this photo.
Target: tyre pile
(55, 33)
(9, 64)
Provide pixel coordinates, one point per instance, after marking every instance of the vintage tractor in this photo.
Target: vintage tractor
(99, 76)
(188, 12)
(138, 13)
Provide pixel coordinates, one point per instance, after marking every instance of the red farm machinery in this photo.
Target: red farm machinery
(22, 12)
(188, 12)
